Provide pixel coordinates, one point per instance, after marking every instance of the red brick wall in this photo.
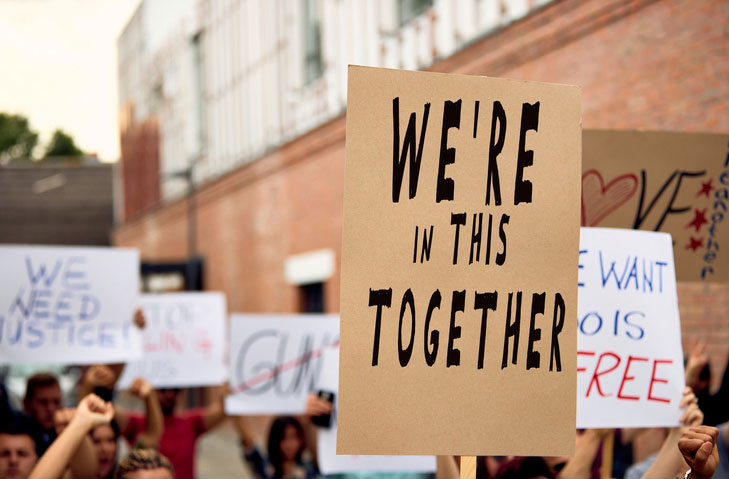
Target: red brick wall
(140, 167)
(642, 64)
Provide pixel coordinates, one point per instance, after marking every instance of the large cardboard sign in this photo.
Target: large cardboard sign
(184, 341)
(331, 463)
(68, 305)
(657, 181)
(629, 357)
(459, 265)
(276, 361)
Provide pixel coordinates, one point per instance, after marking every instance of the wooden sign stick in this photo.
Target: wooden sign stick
(606, 468)
(468, 467)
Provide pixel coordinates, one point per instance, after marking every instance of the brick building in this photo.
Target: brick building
(269, 228)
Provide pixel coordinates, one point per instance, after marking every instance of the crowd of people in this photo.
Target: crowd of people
(44, 440)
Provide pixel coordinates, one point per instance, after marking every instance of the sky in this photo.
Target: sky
(59, 67)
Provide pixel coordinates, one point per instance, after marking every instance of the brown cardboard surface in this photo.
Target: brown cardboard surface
(458, 409)
(662, 181)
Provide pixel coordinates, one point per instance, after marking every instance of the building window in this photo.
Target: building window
(311, 298)
(409, 9)
(313, 64)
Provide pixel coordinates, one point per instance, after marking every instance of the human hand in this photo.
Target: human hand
(316, 406)
(140, 388)
(139, 320)
(101, 375)
(698, 447)
(697, 359)
(692, 415)
(62, 418)
(94, 411)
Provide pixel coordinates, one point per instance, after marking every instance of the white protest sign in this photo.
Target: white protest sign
(275, 361)
(331, 463)
(184, 341)
(68, 305)
(629, 356)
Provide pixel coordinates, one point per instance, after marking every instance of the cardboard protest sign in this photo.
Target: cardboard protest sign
(331, 463)
(275, 360)
(459, 265)
(629, 356)
(184, 341)
(68, 305)
(658, 181)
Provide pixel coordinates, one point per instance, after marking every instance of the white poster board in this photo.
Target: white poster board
(275, 361)
(184, 341)
(68, 305)
(331, 463)
(629, 355)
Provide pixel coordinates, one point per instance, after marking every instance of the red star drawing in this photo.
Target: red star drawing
(699, 219)
(695, 244)
(706, 188)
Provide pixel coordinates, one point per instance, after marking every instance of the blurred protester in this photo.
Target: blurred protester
(180, 431)
(7, 413)
(698, 376)
(17, 449)
(42, 400)
(72, 450)
(698, 446)
(144, 464)
(288, 456)
(667, 462)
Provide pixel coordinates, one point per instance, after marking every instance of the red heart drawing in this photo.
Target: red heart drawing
(599, 200)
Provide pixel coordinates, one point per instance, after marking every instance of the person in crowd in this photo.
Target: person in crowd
(144, 464)
(288, 457)
(722, 448)
(17, 449)
(698, 376)
(698, 446)
(180, 430)
(105, 436)
(525, 468)
(7, 413)
(667, 462)
(70, 455)
(42, 400)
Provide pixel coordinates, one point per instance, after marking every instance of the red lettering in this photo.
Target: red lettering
(583, 353)
(596, 375)
(627, 378)
(657, 380)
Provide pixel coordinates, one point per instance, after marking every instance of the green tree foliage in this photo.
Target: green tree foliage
(62, 144)
(17, 140)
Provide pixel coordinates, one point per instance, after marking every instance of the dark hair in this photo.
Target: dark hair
(525, 468)
(39, 381)
(142, 460)
(114, 427)
(276, 435)
(19, 426)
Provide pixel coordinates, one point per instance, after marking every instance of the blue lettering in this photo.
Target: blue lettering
(581, 266)
(33, 331)
(106, 340)
(706, 269)
(88, 301)
(633, 274)
(19, 328)
(613, 272)
(62, 304)
(55, 327)
(72, 279)
(41, 274)
(636, 326)
(41, 304)
(584, 320)
(71, 336)
(82, 335)
(26, 309)
(724, 178)
(646, 280)
(660, 265)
